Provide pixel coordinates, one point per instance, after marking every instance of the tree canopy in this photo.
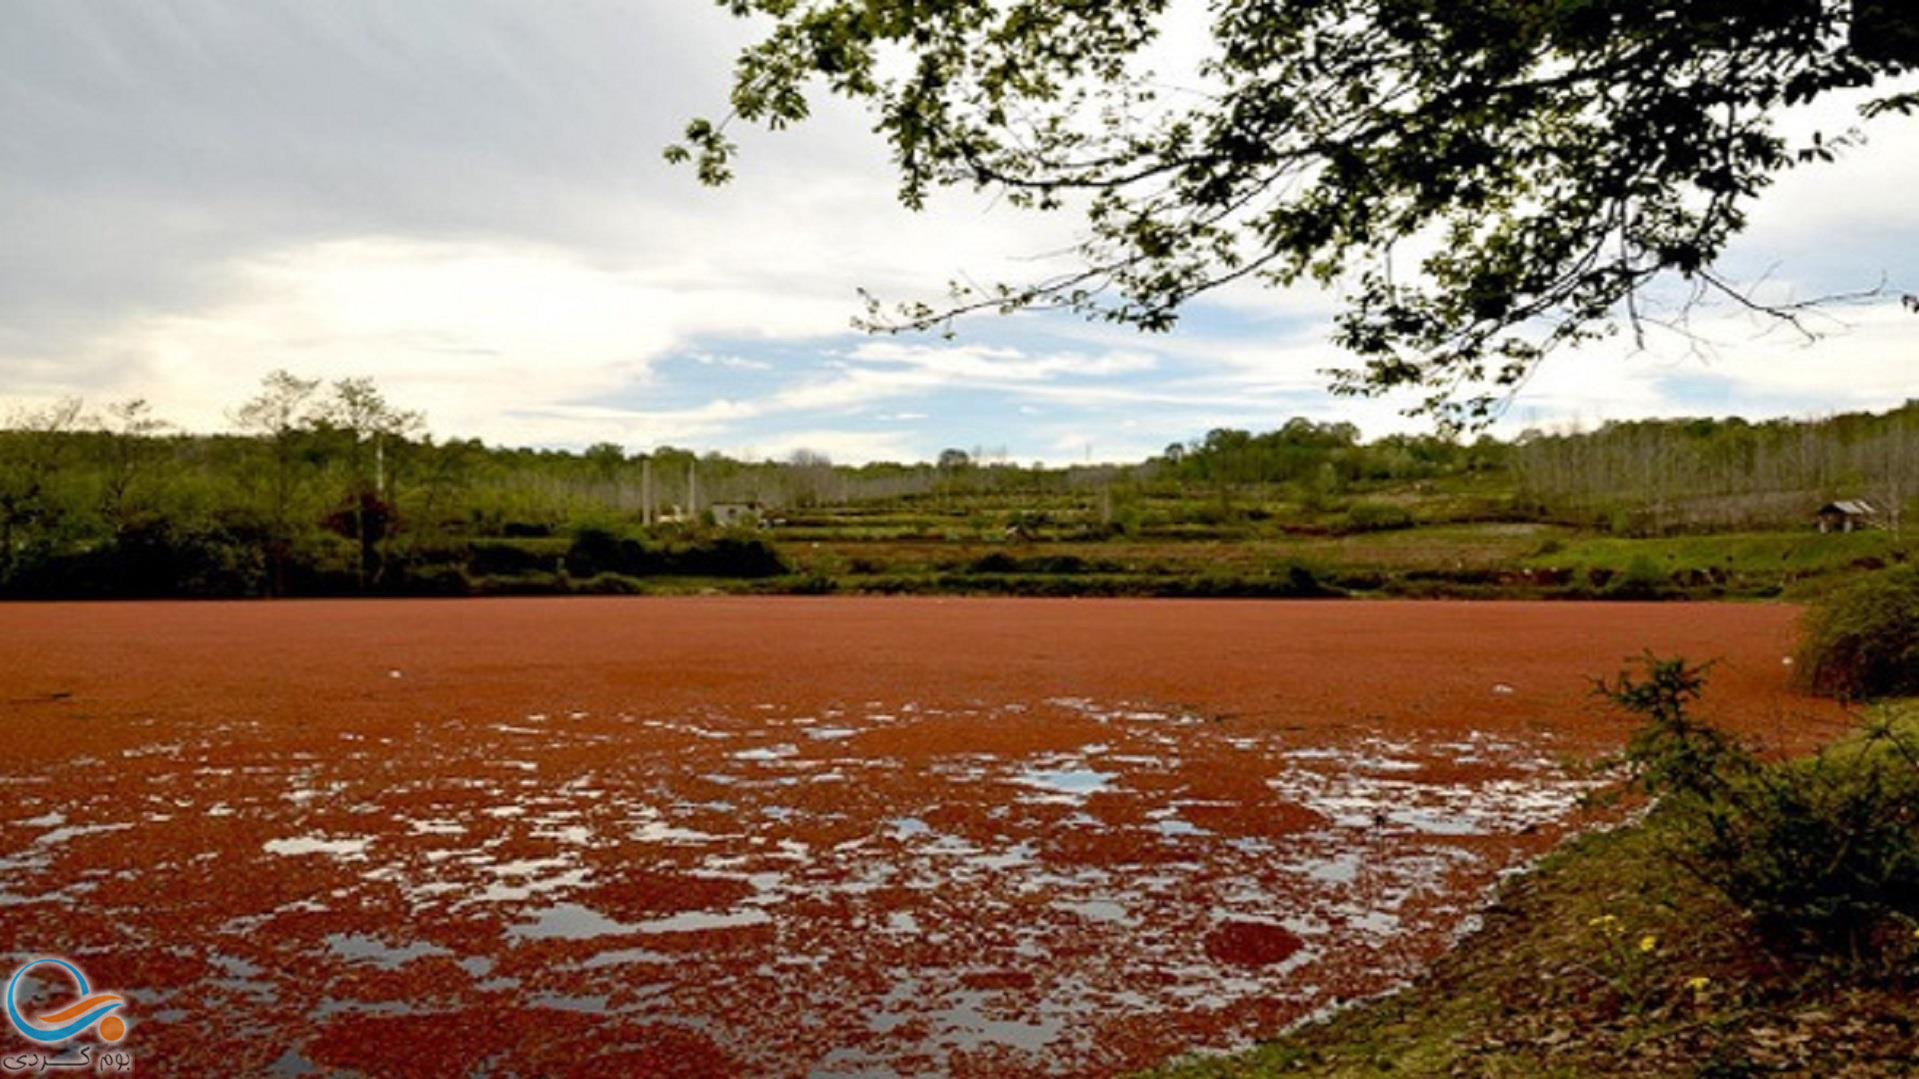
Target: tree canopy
(1481, 180)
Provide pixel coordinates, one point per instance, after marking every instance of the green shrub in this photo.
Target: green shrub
(152, 558)
(1284, 581)
(1028, 523)
(1298, 582)
(322, 564)
(728, 556)
(1863, 640)
(416, 578)
(813, 584)
(1377, 517)
(1822, 853)
(1058, 564)
(1671, 751)
(1825, 852)
(1359, 580)
(1643, 579)
(996, 562)
(597, 550)
(512, 558)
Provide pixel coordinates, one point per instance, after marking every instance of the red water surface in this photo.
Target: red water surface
(714, 836)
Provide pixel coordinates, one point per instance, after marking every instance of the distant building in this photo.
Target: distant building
(736, 514)
(1849, 515)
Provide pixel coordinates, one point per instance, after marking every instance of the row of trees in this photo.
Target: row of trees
(1303, 450)
(125, 482)
(1660, 475)
(332, 488)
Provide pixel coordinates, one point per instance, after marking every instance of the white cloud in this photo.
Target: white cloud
(735, 363)
(473, 332)
(1000, 364)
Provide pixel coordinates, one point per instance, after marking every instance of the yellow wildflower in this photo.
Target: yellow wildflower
(1698, 983)
(1648, 942)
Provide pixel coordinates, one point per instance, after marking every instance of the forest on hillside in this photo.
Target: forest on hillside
(325, 489)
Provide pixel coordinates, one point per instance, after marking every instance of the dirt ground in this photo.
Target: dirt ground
(712, 836)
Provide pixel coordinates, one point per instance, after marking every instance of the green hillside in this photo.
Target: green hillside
(332, 491)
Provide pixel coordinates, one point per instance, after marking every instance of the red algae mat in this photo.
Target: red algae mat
(719, 836)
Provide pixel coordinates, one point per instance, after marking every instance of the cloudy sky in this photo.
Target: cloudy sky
(466, 200)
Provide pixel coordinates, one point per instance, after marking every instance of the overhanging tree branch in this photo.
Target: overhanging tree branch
(1555, 157)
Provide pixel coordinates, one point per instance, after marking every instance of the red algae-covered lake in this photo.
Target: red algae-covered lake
(787, 836)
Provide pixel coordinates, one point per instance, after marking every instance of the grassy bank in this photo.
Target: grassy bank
(315, 498)
(1454, 561)
(1608, 959)
(1483, 560)
(1476, 560)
